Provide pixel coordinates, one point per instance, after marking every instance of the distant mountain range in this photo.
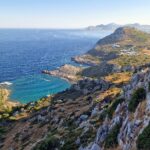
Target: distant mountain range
(113, 26)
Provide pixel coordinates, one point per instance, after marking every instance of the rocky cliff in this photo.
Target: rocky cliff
(66, 71)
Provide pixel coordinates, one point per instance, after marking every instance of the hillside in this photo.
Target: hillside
(91, 115)
(124, 49)
(124, 34)
(106, 108)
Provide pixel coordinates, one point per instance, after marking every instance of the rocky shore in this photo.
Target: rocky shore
(67, 72)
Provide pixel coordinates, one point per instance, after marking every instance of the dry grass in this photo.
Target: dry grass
(119, 78)
(126, 60)
(110, 93)
(146, 51)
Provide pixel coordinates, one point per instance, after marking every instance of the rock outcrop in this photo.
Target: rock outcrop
(68, 72)
(86, 60)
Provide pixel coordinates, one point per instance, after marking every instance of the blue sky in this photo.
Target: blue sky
(71, 13)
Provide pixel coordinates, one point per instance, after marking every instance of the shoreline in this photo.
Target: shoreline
(67, 72)
(12, 99)
(5, 101)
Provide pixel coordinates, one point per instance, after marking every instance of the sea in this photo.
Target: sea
(24, 53)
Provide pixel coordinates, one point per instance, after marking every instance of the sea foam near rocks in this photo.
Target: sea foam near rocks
(5, 83)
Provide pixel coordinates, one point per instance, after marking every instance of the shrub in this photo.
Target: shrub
(88, 137)
(149, 86)
(103, 115)
(143, 141)
(111, 139)
(2, 131)
(50, 143)
(137, 97)
(70, 139)
(113, 107)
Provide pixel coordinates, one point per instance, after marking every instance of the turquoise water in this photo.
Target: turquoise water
(24, 53)
(32, 88)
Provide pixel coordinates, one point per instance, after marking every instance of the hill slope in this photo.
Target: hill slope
(109, 109)
(125, 34)
(125, 48)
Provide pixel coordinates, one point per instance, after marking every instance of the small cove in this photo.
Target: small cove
(24, 53)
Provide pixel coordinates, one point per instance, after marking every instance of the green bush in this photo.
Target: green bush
(50, 143)
(113, 107)
(2, 131)
(137, 96)
(103, 115)
(70, 140)
(149, 86)
(88, 137)
(143, 141)
(111, 139)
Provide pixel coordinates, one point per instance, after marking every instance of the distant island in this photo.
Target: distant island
(114, 26)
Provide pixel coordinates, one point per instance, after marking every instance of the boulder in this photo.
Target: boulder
(83, 117)
(95, 112)
(95, 147)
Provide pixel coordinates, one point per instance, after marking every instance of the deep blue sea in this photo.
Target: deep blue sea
(24, 53)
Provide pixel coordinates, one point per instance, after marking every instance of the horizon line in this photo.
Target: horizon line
(67, 28)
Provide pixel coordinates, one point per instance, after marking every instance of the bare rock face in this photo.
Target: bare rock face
(95, 147)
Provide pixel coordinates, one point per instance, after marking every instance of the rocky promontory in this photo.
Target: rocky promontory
(86, 59)
(67, 72)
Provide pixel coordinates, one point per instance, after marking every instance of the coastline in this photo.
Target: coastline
(67, 72)
(5, 102)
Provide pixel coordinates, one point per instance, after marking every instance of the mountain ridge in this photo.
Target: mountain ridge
(114, 26)
(123, 33)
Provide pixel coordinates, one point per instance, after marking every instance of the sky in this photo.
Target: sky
(71, 13)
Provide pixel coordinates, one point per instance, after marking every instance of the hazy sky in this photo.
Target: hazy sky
(72, 13)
